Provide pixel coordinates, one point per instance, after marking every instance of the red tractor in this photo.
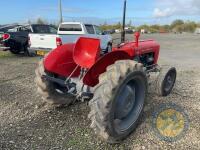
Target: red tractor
(115, 82)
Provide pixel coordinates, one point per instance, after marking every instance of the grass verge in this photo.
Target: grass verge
(5, 54)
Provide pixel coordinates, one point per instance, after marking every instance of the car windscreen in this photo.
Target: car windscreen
(70, 27)
(5, 29)
(44, 29)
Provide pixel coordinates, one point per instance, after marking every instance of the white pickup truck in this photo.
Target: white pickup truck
(68, 32)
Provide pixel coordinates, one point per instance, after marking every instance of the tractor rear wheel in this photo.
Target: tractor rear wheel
(50, 92)
(118, 100)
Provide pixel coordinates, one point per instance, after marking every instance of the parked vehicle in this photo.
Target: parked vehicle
(112, 31)
(42, 40)
(1, 38)
(68, 32)
(118, 31)
(16, 39)
(116, 83)
(197, 31)
(4, 29)
(129, 31)
(143, 31)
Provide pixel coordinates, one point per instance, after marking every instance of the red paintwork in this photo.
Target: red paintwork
(5, 36)
(64, 59)
(58, 41)
(60, 61)
(92, 76)
(86, 52)
(143, 47)
(137, 36)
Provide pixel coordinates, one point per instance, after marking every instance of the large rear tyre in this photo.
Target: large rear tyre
(166, 80)
(118, 100)
(50, 92)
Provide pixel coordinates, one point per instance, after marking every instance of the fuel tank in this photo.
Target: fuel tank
(60, 61)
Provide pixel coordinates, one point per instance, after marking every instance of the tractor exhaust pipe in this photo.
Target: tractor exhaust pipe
(124, 24)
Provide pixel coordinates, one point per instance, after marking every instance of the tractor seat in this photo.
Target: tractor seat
(86, 52)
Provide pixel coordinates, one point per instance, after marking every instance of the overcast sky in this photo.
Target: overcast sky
(99, 11)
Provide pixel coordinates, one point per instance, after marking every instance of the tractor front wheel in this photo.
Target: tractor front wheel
(118, 100)
(166, 80)
(51, 92)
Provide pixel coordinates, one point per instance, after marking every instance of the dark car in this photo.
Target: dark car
(4, 29)
(16, 39)
(129, 31)
(109, 31)
(1, 38)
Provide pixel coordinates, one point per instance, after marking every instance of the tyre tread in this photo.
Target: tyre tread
(108, 82)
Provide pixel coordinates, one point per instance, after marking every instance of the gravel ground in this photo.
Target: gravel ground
(26, 122)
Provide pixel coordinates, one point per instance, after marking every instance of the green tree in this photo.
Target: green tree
(177, 22)
(176, 26)
(118, 25)
(156, 27)
(179, 28)
(146, 27)
(189, 26)
(166, 27)
(41, 21)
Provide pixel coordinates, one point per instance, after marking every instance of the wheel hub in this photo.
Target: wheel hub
(126, 102)
(169, 82)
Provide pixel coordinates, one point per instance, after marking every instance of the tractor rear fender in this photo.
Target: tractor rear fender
(91, 78)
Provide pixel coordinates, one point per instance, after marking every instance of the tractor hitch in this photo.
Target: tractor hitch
(72, 88)
(54, 80)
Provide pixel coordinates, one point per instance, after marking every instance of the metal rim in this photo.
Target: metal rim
(129, 104)
(169, 80)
